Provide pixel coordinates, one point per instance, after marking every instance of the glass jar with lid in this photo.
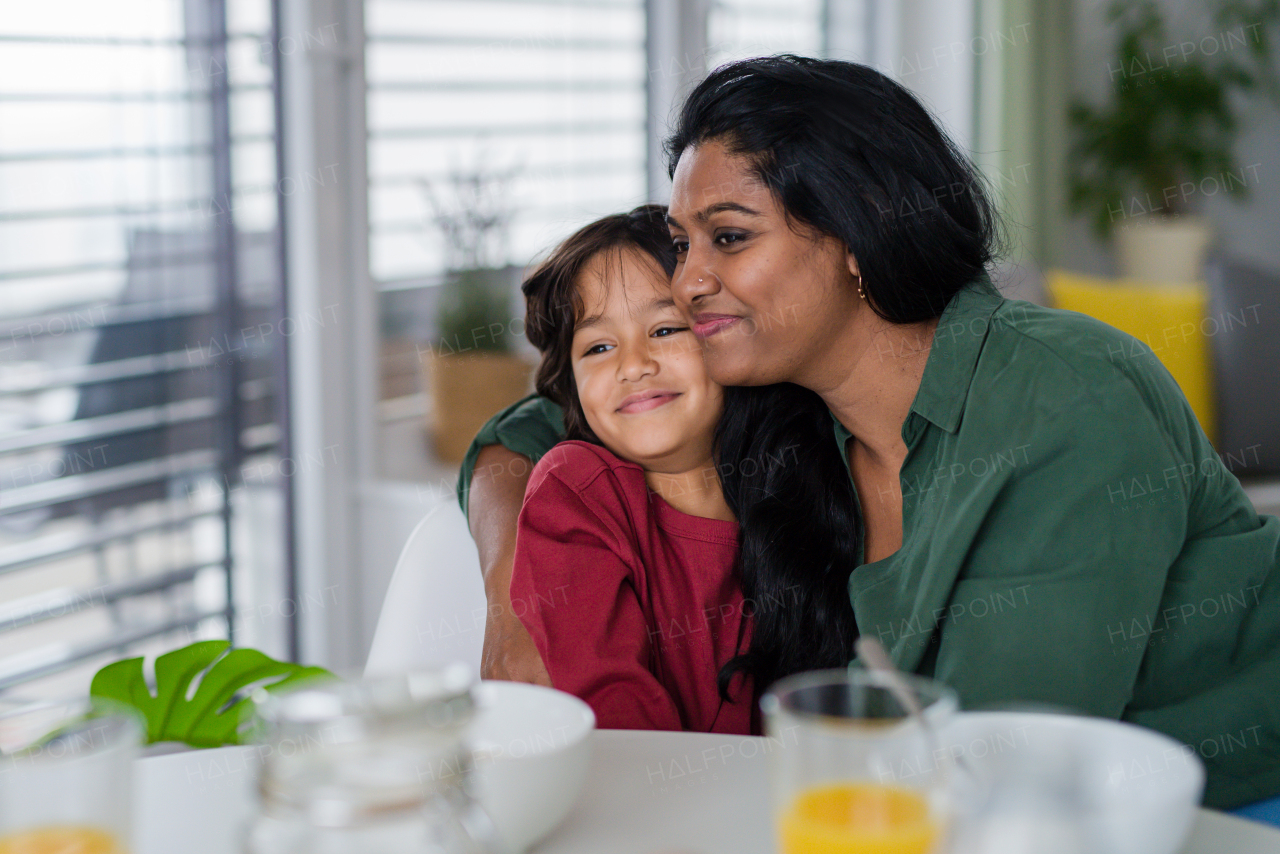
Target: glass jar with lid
(374, 766)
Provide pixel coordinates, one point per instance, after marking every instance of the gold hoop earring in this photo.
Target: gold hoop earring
(862, 294)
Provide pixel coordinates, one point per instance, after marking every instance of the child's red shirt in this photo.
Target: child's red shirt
(634, 605)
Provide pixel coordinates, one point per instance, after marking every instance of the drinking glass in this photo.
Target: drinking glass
(851, 771)
(370, 766)
(65, 776)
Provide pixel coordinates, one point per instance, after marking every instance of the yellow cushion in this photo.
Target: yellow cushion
(1167, 318)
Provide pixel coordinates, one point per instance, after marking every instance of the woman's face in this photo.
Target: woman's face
(640, 376)
(765, 301)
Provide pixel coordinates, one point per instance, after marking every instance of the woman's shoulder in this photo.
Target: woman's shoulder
(1077, 367)
(1085, 357)
(1075, 342)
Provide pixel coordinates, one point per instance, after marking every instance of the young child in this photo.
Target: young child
(626, 550)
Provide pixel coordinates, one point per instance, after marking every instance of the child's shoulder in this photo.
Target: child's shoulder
(576, 476)
(586, 467)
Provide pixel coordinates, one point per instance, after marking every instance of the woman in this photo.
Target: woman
(1007, 459)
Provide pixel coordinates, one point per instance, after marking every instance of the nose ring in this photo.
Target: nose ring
(699, 280)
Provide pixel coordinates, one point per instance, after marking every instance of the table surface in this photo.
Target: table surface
(646, 793)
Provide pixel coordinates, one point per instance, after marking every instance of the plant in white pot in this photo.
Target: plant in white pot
(471, 369)
(1141, 164)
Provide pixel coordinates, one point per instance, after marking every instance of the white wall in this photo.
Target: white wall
(927, 46)
(332, 366)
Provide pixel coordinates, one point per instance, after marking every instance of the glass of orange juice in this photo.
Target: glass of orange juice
(65, 777)
(851, 771)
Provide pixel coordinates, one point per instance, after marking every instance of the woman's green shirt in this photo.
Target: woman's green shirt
(1070, 537)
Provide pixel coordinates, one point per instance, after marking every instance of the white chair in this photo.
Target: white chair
(435, 608)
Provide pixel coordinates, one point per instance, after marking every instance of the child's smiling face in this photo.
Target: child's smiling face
(638, 369)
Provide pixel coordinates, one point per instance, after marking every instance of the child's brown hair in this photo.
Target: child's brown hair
(553, 305)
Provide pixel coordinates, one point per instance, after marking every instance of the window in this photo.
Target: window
(552, 92)
(138, 332)
(546, 97)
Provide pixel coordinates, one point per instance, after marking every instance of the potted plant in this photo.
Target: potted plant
(218, 710)
(471, 369)
(1140, 165)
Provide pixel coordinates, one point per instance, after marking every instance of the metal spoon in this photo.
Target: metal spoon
(873, 655)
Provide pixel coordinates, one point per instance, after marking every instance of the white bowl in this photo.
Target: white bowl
(1138, 789)
(531, 747)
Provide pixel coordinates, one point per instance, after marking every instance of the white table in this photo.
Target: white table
(646, 793)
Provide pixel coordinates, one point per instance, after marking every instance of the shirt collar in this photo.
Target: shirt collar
(953, 356)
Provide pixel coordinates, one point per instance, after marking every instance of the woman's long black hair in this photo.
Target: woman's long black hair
(784, 478)
(851, 154)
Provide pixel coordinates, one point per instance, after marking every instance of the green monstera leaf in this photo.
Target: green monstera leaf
(210, 718)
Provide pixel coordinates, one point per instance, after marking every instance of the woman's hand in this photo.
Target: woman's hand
(493, 505)
(509, 653)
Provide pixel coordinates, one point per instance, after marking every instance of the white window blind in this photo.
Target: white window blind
(137, 218)
(552, 91)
